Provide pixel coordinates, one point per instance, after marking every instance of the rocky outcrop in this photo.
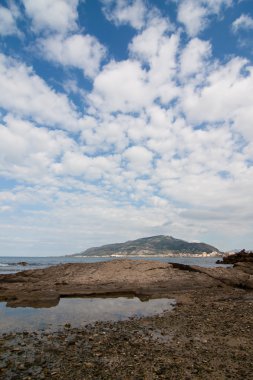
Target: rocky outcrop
(241, 256)
(44, 287)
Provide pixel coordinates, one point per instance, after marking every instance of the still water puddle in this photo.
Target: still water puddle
(79, 312)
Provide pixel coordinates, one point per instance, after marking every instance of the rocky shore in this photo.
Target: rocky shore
(44, 287)
(207, 336)
(241, 256)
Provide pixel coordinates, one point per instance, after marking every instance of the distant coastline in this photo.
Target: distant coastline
(175, 255)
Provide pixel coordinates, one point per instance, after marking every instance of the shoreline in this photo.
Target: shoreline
(208, 335)
(146, 256)
(44, 287)
(153, 254)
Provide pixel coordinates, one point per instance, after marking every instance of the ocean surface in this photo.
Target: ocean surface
(12, 264)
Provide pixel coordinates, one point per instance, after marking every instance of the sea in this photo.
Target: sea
(14, 264)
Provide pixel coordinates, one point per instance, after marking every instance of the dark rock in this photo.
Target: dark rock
(242, 256)
(22, 263)
(70, 340)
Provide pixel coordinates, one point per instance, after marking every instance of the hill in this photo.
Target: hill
(151, 246)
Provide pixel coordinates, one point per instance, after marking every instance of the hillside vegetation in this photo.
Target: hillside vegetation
(154, 245)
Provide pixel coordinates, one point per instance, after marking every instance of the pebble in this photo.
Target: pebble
(196, 348)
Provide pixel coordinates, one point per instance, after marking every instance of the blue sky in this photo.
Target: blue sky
(122, 119)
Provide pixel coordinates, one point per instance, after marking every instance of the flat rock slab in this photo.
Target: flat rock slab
(44, 287)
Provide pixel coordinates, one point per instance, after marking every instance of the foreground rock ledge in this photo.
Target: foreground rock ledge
(44, 287)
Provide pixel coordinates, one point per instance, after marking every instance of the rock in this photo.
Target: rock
(44, 287)
(22, 263)
(70, 340)
(241, 256)
(89, 365)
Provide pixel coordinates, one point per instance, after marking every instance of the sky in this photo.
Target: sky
(122, 119)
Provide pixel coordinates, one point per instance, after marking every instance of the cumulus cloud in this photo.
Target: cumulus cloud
(169, 140)
(194, 14)
(157, 48)
(146, 44)
(163, 145)
(80, 51)
(133, 84)
(52, 16)
(26, 94)
(132, 12)
(226, 97)
(29, 152)
(75, 163)
(194, 57)
(139, 158)
(110, 134)
(244, 22)
(121, 86)
(7, 22)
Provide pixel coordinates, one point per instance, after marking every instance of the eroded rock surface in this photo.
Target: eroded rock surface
(44, 287)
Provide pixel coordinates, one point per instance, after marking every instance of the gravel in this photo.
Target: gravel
(208, 335)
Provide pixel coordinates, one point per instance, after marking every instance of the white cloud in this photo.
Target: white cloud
(121, 86)
(244, 22)
(40, 156)
(167, 147)
(215, 6)
(79, 51)
(194, 57)
(140, 164)
(132, 12)
(139, 158)
(52, 15)
(163, 68)
(194, 14)
(225, 97)
(156, 47)
(28, 152)
(26, 94)
(89, 168)
(7, 22)
(109, 134)
(146, 45)
(131, 85)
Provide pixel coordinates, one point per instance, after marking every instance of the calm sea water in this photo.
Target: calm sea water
(12, 264)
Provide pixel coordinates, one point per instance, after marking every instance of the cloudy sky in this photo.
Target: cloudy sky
(122, 119)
